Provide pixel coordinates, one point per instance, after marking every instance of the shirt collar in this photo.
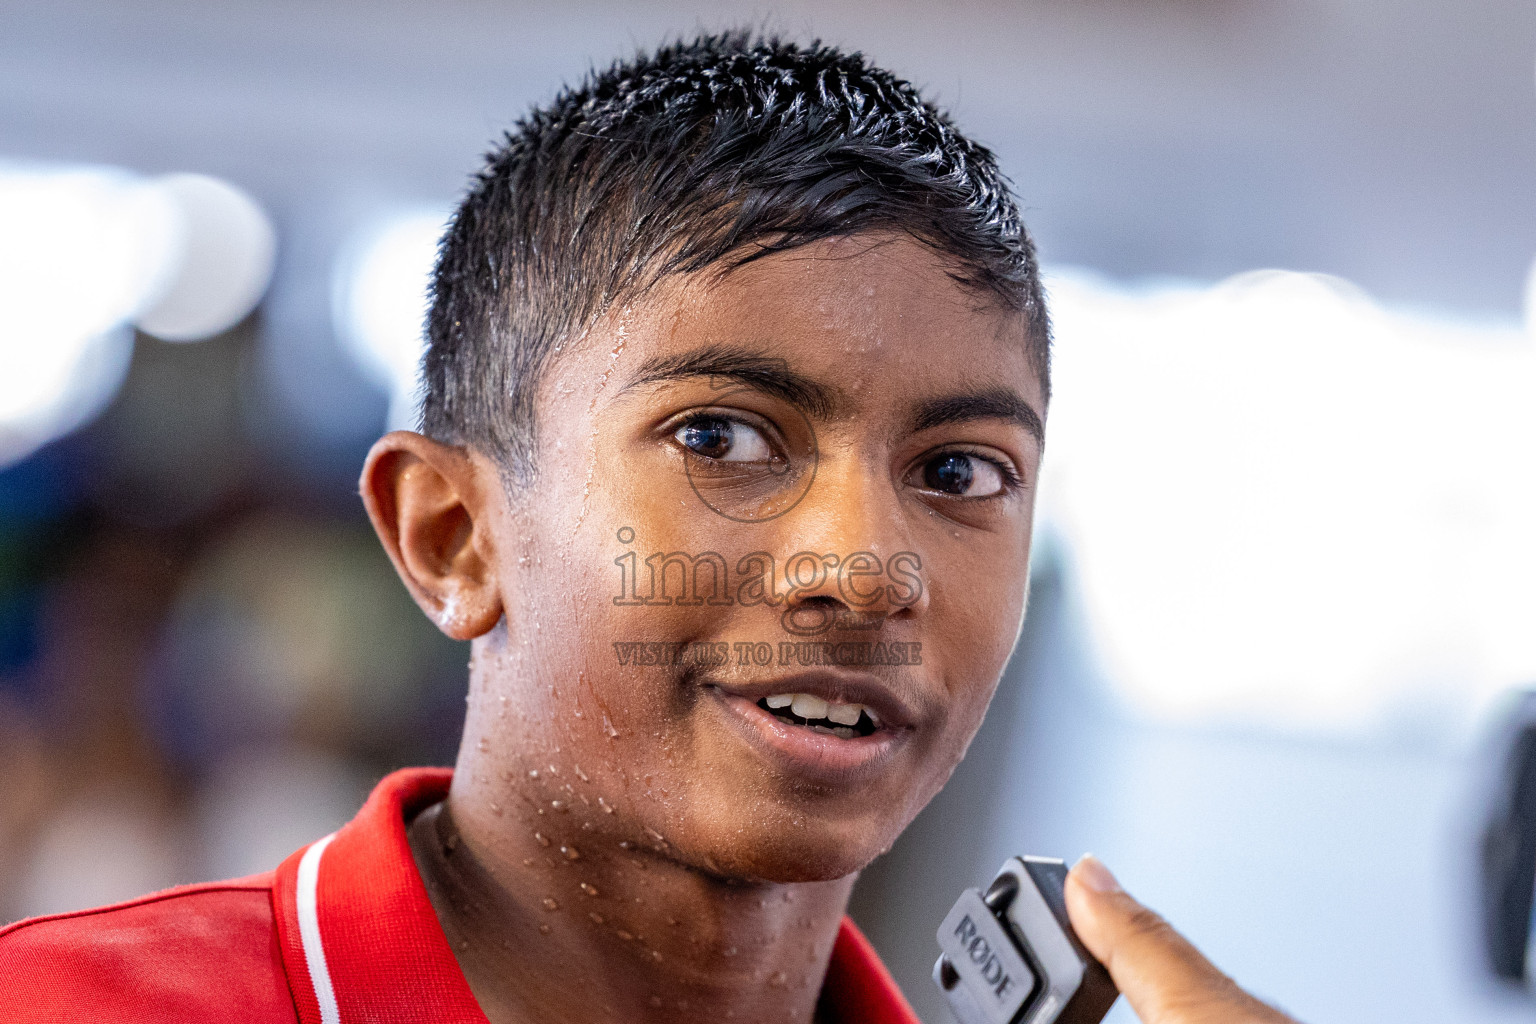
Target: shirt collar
(361, 942)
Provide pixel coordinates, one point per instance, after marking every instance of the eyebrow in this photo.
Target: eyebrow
(992, 403)
(753, 370)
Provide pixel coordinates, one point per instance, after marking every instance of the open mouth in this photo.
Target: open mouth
(845, 721)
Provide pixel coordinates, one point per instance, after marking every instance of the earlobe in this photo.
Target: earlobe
(428, 506)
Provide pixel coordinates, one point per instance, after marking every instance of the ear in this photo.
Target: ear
(433, 512)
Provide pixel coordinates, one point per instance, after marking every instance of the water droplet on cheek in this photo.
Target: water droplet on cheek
(590, 890)
(544, 929)
(571, 853)
(550, 903)
(541, 838)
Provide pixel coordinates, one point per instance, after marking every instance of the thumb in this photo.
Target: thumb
(1164, 978)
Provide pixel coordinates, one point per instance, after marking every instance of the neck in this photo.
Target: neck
(591, 931)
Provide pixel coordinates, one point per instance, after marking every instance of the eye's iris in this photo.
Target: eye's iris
(711, 438)
(951, 473)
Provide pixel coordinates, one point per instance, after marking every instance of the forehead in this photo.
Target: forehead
(880, 316)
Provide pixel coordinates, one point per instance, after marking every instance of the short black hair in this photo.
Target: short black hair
(712, 152)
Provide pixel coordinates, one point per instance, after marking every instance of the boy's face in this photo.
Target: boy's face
(849, 440)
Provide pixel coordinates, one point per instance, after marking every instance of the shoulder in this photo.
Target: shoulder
(200, 952)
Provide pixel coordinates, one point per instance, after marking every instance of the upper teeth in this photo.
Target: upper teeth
(811, 707)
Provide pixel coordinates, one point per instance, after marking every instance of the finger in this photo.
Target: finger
(1164, 978)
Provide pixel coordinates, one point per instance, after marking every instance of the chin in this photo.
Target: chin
(786, 851)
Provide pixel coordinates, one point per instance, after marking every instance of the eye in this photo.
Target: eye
(964, 475)
(724, 440)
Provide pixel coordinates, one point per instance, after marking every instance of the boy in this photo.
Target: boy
(734, 407)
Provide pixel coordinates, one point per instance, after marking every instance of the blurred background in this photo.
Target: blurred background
(1285, 574)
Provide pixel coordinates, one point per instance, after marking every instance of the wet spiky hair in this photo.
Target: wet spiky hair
(710, 153)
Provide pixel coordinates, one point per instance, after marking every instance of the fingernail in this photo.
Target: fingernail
(1092, 873)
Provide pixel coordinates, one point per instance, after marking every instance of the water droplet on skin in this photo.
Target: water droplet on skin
(496, 809)
(778, 979)
(625, 844)
(483, 745)
(541, 838)
(529, 862)
(550, 903)
(533, 773)
(544, 929)
(553, 770)
(558, 805)
(608, 728)
(654, 836)
(590, 890)
(607, 808)
(621, 933)
(571, 853)
(581, 774)
(656, 955)
(730, 950)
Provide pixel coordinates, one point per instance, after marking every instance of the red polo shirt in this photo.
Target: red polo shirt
(342, 931)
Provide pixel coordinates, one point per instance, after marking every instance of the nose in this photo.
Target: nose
(852, 560)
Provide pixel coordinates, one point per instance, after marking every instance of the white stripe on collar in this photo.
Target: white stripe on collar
(309, 931)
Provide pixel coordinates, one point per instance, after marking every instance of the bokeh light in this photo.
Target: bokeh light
(83, 251)
(380, 294)
(227, 250)
(1289, 507)
(86, 253)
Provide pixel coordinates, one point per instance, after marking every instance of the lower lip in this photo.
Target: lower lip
(802, 751)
